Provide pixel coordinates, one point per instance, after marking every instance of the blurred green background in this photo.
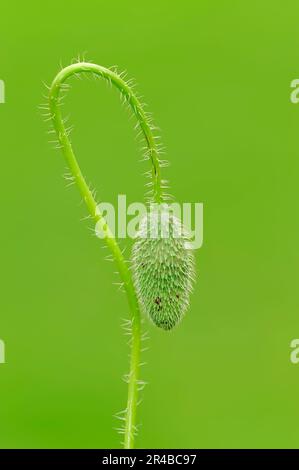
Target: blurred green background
(217, 77)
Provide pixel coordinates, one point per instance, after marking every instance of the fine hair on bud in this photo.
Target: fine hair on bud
(163, 266)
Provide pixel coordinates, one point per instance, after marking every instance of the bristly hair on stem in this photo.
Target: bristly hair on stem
(52, 112)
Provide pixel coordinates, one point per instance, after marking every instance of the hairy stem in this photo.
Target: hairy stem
(57, 86)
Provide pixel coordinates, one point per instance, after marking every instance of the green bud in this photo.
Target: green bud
(163, 267)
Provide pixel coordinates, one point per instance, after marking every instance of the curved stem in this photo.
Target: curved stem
(67, 150)
(142, 117)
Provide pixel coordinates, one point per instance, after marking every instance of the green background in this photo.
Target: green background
(217, 77)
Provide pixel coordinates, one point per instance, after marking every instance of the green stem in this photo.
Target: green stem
(125, 274)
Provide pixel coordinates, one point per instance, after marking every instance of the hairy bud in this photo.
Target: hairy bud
(163, 267)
